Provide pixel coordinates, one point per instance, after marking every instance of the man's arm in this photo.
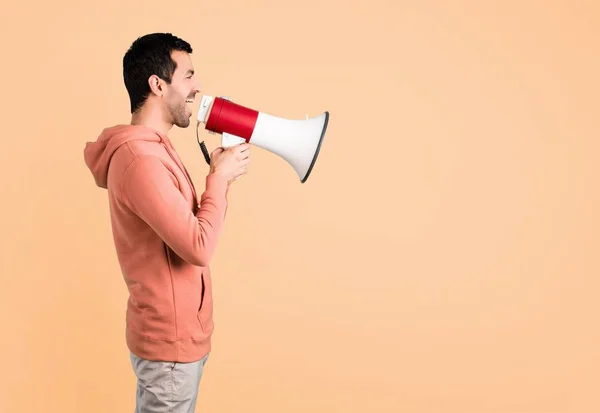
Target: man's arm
(150, 190)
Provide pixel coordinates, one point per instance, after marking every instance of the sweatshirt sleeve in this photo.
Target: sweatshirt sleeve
(151, 191)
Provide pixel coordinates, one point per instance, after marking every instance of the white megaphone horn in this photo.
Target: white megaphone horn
(297, 141)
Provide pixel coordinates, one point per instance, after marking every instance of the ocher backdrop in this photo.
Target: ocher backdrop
(442, 257)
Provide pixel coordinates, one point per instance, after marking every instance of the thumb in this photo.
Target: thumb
(217, 151)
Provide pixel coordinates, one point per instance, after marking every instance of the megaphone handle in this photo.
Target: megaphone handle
(205, 152)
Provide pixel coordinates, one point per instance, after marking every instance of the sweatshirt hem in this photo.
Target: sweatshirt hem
(182, 351)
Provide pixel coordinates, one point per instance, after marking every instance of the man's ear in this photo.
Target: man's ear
(156, 85)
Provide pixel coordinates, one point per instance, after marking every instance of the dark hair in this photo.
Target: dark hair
(149, 55)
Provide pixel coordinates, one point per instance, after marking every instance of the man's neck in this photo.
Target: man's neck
(151, 118)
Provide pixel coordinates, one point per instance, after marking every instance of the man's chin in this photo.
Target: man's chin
(184, 123)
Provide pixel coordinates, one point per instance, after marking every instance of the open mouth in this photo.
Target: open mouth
(189, 101)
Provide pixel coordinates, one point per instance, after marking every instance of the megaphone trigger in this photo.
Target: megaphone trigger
(227, 140)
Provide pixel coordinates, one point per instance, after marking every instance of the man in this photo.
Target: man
(165, 235)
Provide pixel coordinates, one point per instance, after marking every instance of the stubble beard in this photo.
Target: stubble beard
(180, 116)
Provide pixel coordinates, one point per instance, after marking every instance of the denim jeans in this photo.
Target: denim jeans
(166, 387)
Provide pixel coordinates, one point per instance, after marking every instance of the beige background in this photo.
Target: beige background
(442, 257)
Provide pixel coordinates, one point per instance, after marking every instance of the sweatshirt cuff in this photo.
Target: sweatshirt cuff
(217, 185)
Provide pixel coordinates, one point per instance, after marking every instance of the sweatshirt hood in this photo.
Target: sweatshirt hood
(98, 154)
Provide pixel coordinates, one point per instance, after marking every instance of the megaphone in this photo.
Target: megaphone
(297, 141)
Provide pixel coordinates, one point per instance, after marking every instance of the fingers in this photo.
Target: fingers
(243, 169)
(243, 156)
(241, 172)
(244, 162)
(237, 158)
(242, 148)
(242, 151)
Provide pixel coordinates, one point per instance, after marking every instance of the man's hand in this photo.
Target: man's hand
(231, 162)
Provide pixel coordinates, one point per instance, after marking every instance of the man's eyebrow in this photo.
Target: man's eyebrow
(189, 72)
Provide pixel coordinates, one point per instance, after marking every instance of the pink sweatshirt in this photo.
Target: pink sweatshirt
(164, 240)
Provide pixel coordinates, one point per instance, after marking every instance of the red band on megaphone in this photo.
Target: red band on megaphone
(228, 117)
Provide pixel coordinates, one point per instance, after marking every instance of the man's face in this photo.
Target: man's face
(183, 89)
